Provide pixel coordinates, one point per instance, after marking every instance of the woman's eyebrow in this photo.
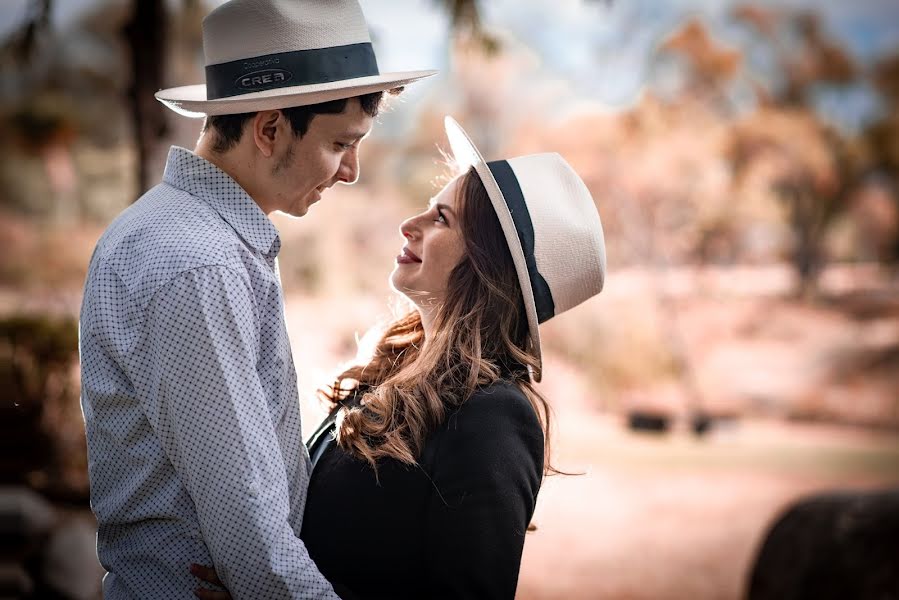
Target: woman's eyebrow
(433, 202)
(443, 209)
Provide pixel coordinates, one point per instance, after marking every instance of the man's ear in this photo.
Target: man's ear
(267, 126)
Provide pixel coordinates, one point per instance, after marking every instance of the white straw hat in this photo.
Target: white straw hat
(267, 54)
(551, 225)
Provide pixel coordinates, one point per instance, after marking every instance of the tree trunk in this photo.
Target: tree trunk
(146, 36)
(807, 252)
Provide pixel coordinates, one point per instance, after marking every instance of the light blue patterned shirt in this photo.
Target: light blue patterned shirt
(189, 396)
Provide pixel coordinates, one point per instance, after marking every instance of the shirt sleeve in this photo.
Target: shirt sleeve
(208, 408)
(486, 473)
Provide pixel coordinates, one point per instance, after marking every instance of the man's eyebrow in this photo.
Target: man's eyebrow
(356, 134)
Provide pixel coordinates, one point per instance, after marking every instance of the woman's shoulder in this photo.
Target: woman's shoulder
(495, 407)
(496, 427)
(501, 395)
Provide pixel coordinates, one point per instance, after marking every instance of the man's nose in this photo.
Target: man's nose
(348, 172)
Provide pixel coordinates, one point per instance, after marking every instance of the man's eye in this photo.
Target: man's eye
(342, 146)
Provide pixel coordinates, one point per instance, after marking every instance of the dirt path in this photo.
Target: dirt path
(675, 517)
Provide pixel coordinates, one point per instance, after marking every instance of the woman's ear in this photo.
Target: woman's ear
(267, 126)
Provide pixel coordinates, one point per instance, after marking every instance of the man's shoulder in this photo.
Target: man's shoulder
(167, 231)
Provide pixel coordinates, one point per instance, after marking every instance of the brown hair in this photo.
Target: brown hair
(403, 393)
(228, 129)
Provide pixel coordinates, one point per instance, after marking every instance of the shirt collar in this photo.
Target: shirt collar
(202, 179)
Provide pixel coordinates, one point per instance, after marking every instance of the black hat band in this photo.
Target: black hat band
(511, 190)
(300, 67)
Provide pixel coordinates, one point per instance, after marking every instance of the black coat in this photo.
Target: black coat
(451, 527)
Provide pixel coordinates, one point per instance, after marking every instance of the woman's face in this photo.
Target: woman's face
(434, 246)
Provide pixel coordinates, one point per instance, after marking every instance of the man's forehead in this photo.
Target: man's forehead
(352, 122)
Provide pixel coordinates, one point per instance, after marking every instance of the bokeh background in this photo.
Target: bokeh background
(744, 157)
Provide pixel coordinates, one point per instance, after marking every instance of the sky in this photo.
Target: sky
(602, 47)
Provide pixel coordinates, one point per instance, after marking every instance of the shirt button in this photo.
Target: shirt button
(253, 492)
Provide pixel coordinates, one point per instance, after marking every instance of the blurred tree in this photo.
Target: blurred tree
(36, 22)
(43, 437)
(145, 34)
(881, 138)
(810, 165)
(711, 66)
(465, 21)
(806, 163)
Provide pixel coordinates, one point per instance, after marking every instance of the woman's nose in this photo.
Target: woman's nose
(411, 227)
(406, 229)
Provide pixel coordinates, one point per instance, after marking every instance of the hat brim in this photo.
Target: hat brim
(466, 154)
(190, 100)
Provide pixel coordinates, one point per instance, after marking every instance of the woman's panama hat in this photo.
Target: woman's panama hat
(268, 54)
(551, 225)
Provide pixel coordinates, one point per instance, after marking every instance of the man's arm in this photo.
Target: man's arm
(207, 405)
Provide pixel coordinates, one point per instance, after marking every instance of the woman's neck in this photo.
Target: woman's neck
(428, 316)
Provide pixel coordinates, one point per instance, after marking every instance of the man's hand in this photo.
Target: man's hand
(208, 575)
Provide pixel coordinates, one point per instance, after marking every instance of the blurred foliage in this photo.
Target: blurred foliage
(465, 19)
(41, 124)
(815, 176)
(810, 169)
(46, 260)
(36, 22)
(617, 350)
(806, 163)
(881, 138)
(43, 439)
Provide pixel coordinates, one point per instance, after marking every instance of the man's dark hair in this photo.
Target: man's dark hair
(229, 128)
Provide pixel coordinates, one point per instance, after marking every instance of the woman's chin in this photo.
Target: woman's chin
(396, 283)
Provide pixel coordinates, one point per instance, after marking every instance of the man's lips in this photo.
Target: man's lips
(318, 192)
(407, 257)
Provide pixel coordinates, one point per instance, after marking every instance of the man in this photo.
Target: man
(188, 386)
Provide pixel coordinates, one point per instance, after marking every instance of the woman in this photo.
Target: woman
(428, 467)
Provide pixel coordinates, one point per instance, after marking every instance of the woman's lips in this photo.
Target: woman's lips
(407, 257)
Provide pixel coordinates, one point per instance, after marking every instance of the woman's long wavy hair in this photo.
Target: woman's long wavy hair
(480, 336)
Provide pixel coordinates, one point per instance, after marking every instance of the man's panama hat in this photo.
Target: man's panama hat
(267, 54)
(550, 223)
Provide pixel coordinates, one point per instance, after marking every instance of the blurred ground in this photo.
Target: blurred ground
(675, 517)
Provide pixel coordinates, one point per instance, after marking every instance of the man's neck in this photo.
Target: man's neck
(237, 167)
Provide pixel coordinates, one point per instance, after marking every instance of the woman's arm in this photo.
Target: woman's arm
(486, 469)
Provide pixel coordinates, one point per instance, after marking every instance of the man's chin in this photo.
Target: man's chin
(298, 210)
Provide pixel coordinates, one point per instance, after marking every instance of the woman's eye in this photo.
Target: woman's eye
(440, 218)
